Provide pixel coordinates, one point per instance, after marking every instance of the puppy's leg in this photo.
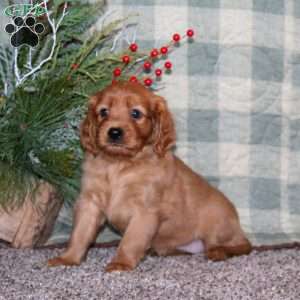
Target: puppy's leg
(88, 219)
(223, 252)
(237, 245)
(216, 253)
(135, 242)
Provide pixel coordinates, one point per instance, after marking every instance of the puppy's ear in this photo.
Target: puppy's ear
(164, 135)
(88, 127)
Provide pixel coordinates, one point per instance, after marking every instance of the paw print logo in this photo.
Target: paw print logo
(24, 31)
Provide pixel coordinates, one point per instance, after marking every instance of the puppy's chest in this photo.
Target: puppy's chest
(119, 211)
(120, 190)
(123, 190)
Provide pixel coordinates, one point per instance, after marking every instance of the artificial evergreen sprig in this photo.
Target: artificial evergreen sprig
(40, 119)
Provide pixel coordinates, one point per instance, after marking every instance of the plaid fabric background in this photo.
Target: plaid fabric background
(235, 96)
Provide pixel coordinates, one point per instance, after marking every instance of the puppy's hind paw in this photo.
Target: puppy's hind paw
(217, 254)
(60, 261)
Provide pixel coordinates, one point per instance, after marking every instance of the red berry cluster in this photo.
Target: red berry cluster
(154, 55)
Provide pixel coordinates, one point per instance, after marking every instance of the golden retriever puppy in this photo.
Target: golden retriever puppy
(132, 179)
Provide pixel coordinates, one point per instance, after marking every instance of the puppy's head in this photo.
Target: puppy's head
(125, 117)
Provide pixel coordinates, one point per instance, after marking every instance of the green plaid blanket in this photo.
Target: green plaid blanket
(235, 96)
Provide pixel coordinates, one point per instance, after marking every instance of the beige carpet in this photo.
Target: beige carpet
(269, 275)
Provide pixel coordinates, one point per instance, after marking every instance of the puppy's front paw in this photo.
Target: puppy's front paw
(117, 266)
(61, 261)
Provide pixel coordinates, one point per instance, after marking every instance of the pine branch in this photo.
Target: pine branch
(39, 138)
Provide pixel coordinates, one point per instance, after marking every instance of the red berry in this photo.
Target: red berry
(164, 50)
(117, 72)
(168, 65)
(133, 47)
(176, 37)
(158, 72)
(147, 65)
(74, 66)
(190, 33)
(154, 53)
(133, 79)
(126, 59)
(148, 81)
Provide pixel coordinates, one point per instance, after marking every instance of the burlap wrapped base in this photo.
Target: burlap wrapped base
(31, 224)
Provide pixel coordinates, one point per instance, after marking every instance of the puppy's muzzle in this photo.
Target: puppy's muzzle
(115, 135)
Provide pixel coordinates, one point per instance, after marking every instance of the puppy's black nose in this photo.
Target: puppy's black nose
(115, 134)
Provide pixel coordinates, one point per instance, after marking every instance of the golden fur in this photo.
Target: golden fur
(142, 188)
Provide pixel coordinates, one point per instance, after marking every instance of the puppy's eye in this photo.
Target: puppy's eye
(136, 114)
(103, 112)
